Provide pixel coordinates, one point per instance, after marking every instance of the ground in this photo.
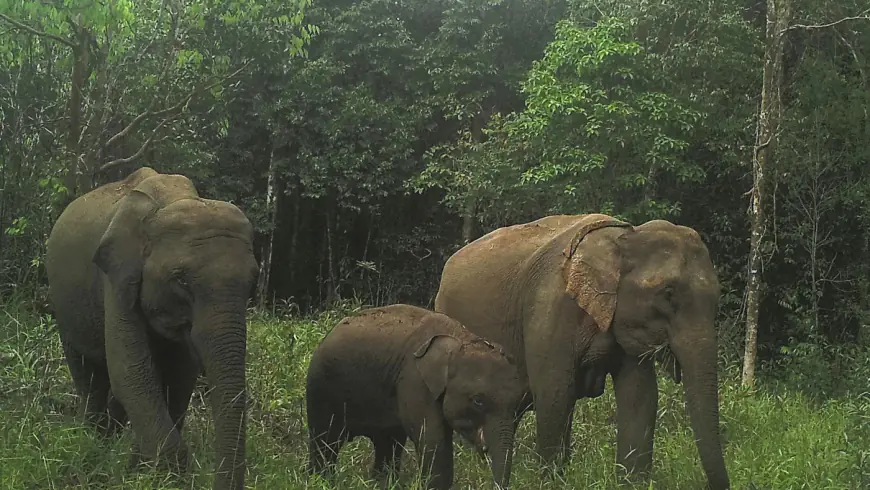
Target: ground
(775, 439)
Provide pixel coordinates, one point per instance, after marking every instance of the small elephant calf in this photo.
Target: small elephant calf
(401, 371)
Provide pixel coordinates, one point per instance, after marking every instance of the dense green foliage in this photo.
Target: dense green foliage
(402, 121)
(396, 129)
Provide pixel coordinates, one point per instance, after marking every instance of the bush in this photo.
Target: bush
(823, 370)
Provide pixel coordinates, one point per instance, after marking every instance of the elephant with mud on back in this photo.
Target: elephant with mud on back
(149, 283)
(577, 297)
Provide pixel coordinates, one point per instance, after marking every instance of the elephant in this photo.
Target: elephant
(577, 297)
(149, 283)
(401, 371)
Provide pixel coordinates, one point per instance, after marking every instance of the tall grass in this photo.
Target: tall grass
(775, 439)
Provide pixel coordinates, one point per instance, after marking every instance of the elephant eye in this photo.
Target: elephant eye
(179, 279)
(477, 401)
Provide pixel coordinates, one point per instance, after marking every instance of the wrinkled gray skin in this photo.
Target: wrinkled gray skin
(387, 373)
(577, 297)
(149, 284)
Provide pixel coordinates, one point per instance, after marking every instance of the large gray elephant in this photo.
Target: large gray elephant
(578, 297)
(149, 283)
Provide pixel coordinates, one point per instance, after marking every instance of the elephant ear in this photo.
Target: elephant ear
(124, 246)
(592, 270)
(432, 360)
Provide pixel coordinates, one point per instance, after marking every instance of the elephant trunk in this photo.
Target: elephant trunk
(698, 356)
(218, 334)
(499, 435)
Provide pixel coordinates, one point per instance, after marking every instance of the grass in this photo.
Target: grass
(775, 439)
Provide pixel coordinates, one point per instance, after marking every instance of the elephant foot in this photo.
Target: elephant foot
(107, 423)
(632, 478)
(175, 461)
(552, 470)
(384, 479)
(110, 428)
(98, 420)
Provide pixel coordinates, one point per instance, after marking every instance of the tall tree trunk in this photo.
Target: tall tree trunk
(272, 213)
(814, 252)
(468, 222)
(778, 12)
(75, 180)
(330, 263)
(469, 213)
(294, 236)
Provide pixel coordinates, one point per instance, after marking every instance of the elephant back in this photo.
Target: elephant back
(479, 282)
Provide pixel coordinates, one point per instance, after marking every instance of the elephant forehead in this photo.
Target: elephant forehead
(485, 366)
(196, 214)
(672, 268)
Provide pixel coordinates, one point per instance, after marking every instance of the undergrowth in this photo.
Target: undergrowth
(775, 438)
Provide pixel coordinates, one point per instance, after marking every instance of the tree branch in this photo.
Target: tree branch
(121, 161)
(35, 32)
(862, 16)
(124, 132)
(854, 54)
(183, 102)
(171, 111)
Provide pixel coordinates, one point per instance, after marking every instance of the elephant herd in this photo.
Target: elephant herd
(149, 283)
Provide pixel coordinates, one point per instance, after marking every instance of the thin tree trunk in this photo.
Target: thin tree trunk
(81, 64)
(272, 213)
(814, 244)
(330, 293)
(768, 122)
(294, 236)
(469, 214)
(468, 222)
(649, 188)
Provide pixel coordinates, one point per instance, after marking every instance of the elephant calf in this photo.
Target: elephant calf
(401, 371)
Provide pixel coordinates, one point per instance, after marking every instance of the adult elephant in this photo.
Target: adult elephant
(149, 283)
(577, 297)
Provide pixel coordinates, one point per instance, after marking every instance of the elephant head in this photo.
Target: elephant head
(654, 286)
(482, 391)
(184, 267)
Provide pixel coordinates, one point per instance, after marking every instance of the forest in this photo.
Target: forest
(368, 141)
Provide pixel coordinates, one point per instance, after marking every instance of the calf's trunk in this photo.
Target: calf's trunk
(499, 436)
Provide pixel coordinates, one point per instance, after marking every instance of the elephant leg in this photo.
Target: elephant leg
(388, 455)
(91, 380)
(433, 439)
(552, 340)
(636, 392)
(325, 441)
(552, 385)
(117, 414)
(179, 372)
(554, 422)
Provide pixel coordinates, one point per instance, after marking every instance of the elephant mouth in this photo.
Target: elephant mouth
(194, 352)
(668, 360)
(474, 437)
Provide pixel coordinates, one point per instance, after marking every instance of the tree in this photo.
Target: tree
(477, 60)
(152, 57)
(810, 205)
(778, 15)
(597, 132)
(91, 90)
